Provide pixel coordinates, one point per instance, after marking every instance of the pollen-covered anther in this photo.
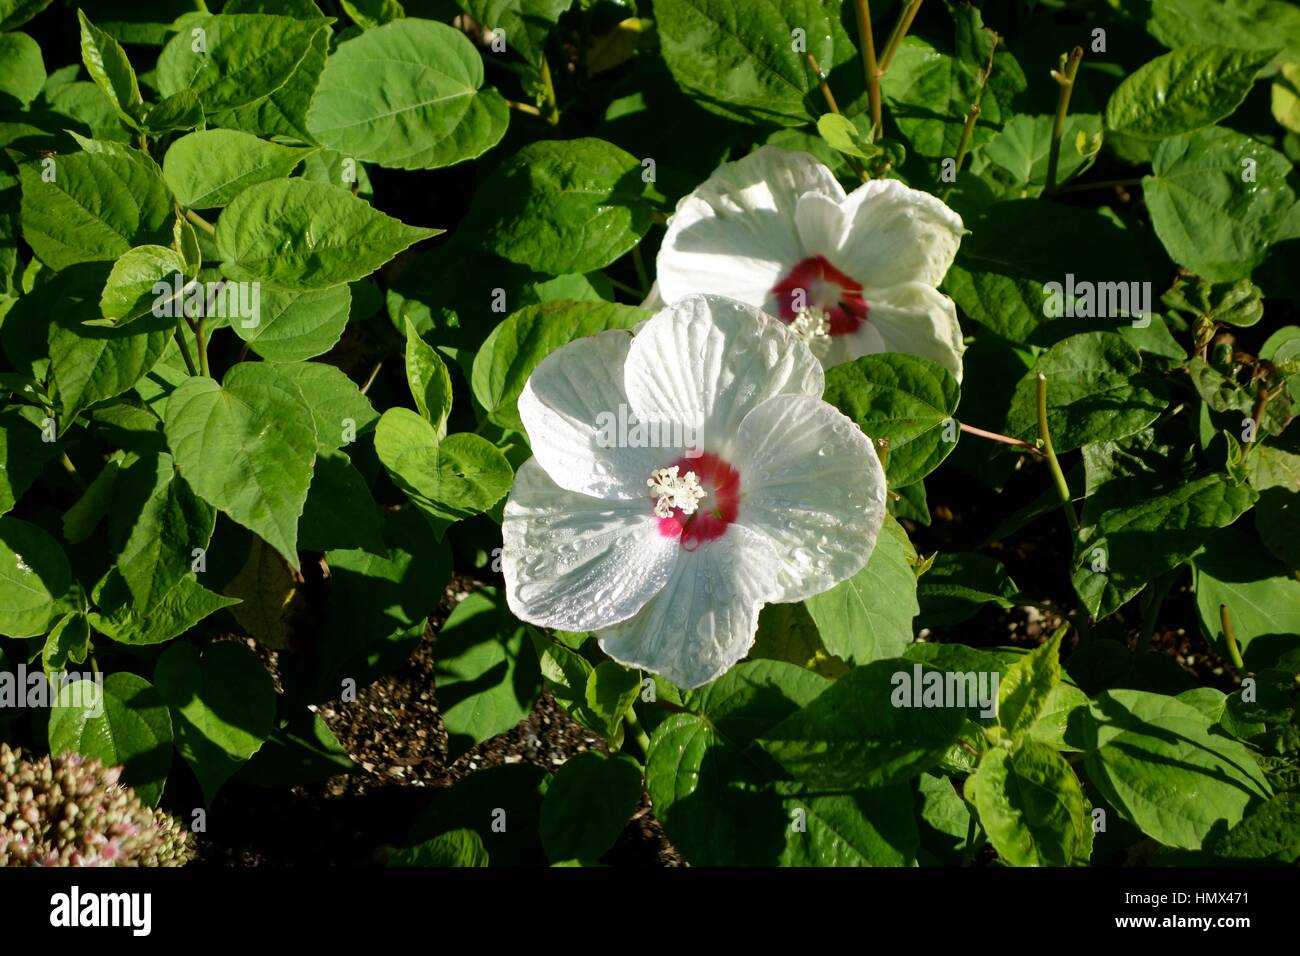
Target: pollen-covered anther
(673, 492)
(813, 325)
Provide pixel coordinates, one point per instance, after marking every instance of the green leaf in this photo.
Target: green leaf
(407, 95)
(67, 643)
(448, 479)
(34, 579)
(1136, 543)
(1250, 24)
(852, 736)
(722, 808)
(1183, 91)
(462, 847)
(904, 399)
(1031, 806)
(155, 524)
(244, 57)
(929, 91)
(522, 24)
(378, 608)
(1218, 200)
(179, 609)
(957, 585)
(842, 133)
(429, 380)
(302, 749)
(247, 446)
(1095, 392)
(589, 801)
(561, 206)
(1019, 154)
(869, 616)
(127, 725)
(340, 512)
(739, 60)
(339, 409)
(1027, 685)
(283, 112)
(93, 205)
(295, 326)
(22, 69)
(487, 681)
(292, 234)
(209, 168)
(108, 66)
(14, 13)
(129, 292)
(1263, 599)
(1158, 762)
(517, 346)
(752, 697)
(222, 705)
(611, 690)
(23, 453)
(1270, 833)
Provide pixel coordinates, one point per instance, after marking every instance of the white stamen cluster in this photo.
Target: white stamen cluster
(813, 325)
(670, 491)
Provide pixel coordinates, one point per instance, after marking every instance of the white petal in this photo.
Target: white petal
(736, 234)
(704, 362)
(919, 320)
(579, 563)
(821, 222)
(570, 395)
(811, 483)
(897, 234)
(705, 618)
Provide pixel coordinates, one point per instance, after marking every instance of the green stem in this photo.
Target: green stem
(201, 340)
(548, 87)
(199, 221)
(1230, 638)
(1155, 598)
(1045, 438)
(834, 108)
(967, 131)
(638, 261)
(905, 18)
(1062, 108)
(869, 65)
(972, 117)
(624, 287)
(637, 733)
(524, 108)
(185, 352)
(71, 469)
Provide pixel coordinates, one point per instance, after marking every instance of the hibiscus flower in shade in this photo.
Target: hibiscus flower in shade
(761, 492)
(853, 274)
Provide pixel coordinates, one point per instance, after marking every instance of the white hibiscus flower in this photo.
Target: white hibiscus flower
(853, 274)
(761, 493)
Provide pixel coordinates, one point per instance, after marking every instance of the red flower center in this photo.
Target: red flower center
(717, 509)
(815, 283)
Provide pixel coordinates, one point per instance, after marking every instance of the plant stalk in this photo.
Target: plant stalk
(1062, 108)
(1230, 638)
(899, 33)
(869, 64)
(1045, 438)
(199, 221)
